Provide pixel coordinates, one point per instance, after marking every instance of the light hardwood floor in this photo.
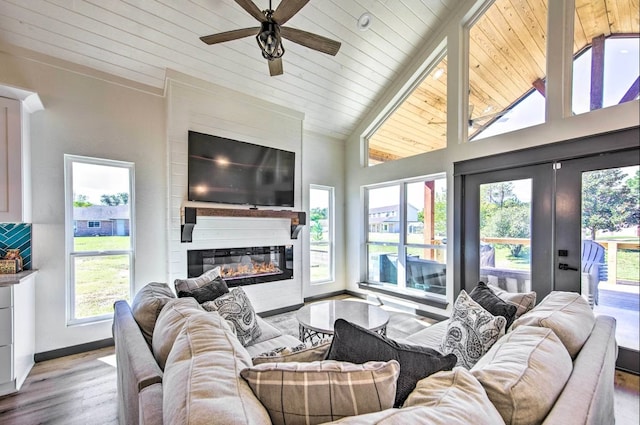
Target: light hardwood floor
(81, 389)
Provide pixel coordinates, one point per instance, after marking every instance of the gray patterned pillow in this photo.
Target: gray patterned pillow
(471, 331)
(236, 308)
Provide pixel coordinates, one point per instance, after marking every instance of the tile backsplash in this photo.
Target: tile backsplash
(16, 235)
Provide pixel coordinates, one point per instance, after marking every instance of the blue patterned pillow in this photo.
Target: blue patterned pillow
(471, 331)
(236, 308)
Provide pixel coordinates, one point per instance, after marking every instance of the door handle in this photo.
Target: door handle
(563, 266)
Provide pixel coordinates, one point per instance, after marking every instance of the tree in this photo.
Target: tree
(121, 198)
(607, 203)
(510, 222)
(316, 229)
(81, 201)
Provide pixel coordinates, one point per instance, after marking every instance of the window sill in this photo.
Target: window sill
(429, 300)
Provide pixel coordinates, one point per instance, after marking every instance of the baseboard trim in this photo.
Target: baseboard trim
(280, 310)
(74, 349)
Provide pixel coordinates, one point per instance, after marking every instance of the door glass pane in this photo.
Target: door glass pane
(505, 234)
(610, 275)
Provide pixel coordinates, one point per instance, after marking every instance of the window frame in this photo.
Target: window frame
(331, 225)
(70, 228)
(399, 289)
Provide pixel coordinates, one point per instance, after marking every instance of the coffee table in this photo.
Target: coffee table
(316, 319)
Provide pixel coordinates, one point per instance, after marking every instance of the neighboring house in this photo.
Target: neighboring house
(101, 220)
(386, 219)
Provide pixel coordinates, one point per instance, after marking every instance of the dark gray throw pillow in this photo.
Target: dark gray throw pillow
(355, 344)
(208, 292)
(495, 305)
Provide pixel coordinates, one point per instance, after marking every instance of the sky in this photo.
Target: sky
(97, 180)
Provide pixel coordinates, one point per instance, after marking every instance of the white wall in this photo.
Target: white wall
(92, 117)
(557, 128)
(323, 164)
(193, 104)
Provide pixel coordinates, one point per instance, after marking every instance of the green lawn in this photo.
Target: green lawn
(100, 280)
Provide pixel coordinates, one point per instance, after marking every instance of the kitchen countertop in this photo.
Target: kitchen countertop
(15, 279)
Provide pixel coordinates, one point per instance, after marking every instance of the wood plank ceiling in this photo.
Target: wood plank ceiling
(507, 59)
(139, 39)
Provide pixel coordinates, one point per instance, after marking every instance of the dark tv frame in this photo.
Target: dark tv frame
(283, 198)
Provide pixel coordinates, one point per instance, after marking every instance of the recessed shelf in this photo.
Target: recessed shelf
(190, 214)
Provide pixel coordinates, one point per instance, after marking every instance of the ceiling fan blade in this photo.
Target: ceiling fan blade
(253, 10)
(229, 35)
(286, 9)
(312, 41)
(275, 67)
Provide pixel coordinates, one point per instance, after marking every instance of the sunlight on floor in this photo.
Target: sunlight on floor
(110, 360)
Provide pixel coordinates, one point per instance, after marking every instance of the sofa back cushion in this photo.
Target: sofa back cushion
(202, 382)
(444, 398)
(317, 392)
(169, 324)
(524, 373)
(567, 314)
(147, 304)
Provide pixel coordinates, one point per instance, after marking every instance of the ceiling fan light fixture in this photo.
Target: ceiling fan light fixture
(269, 41)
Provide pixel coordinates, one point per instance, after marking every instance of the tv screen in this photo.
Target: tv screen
(233, 172)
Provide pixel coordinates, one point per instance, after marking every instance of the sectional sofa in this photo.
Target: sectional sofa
(555, 365)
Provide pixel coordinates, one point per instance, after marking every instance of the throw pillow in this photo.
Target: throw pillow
(236, 308)
(524, 301)
(567, 314)
(493, 303)
(147, 304)
(471, 331)
(524, 373)
(355, 344)
(207, 292)
(305, 352)
(318, 392)
(196, 282)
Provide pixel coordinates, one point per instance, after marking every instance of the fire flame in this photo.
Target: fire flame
(255, 268)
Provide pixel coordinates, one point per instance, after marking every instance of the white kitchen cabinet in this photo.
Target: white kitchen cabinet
(17, 329)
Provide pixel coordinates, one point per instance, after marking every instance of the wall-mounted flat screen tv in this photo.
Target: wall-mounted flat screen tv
(233, 172)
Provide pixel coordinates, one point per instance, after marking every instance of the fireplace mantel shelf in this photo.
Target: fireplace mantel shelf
(298, 218)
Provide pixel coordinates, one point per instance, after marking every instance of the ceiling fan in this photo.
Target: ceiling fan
(270, 32)
(480, 121)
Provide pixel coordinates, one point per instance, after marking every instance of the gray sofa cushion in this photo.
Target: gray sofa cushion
(202, 382)
(147, 304)
(567, 313)
(524, 373)
(353, 343)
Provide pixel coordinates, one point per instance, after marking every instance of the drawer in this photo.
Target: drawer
(6, 300)
(6, 366)
(6, 326)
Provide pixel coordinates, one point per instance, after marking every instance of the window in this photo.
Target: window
(100, 255)
(406, 245)
(418, 124)
(507, 67)
(321, 234)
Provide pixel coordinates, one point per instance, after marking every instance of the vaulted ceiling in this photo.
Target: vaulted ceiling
(140, 39)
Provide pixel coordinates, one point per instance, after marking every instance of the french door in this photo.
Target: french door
(597, 233)
(569, 225)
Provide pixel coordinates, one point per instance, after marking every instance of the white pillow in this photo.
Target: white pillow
(471, 331)
(524, 301)
(188, 285)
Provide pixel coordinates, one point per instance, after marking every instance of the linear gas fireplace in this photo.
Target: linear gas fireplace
(244, 266)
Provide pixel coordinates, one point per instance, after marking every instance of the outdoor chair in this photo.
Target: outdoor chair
(594, 270)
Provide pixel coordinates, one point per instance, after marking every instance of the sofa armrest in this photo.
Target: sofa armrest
(588, 396)
(150, 402)
(137, 368)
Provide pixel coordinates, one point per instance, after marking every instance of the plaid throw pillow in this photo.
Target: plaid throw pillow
(318, 392)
